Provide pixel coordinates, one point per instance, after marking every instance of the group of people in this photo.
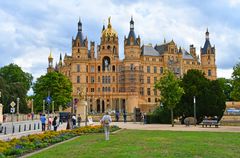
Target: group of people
(52, 123)
(117, 115)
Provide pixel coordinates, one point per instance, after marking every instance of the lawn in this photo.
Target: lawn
(146, 144)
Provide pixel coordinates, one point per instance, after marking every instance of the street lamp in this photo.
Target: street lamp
(43, 106)
(194, 109)
(32, 107)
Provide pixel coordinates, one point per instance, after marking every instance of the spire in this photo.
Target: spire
(207, 34)
(60, 57)
(109, 22)
(131, 24)
(180, 50)
(79, 25)
(50, 55)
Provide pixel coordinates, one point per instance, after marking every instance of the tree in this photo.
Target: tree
(59, 87)
(210, 99)
(170, 90)
(227, 87)
(235, 94)
(14, 83)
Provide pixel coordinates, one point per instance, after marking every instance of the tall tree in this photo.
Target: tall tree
(210, 99)
(227, 87)
(59, 87)
(14, 83)
(170, 90)
(235, 94)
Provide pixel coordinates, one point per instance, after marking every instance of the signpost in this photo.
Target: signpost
(12, 110)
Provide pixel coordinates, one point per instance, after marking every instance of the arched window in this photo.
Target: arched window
(113, 68)
(114, 50)
(108, 47)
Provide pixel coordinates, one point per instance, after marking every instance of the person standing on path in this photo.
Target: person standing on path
(106, 120)
(43, 121)
(124, 116)
(55, 125)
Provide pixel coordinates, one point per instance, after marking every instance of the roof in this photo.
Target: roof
(207, 45)
(131, 34)
(186, 55)
(148, 50)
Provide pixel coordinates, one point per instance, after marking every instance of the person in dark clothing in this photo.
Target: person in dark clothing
(124, 117)
(79, 119)
(43, 121)
(117, 116)
(55, 125)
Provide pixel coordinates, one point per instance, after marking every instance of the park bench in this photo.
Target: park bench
(207, 122)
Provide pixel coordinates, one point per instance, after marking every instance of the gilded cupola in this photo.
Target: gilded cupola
(109, 31)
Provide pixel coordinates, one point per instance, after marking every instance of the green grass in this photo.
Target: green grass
(148, 144)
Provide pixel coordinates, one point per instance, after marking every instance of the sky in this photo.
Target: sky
(29, 29)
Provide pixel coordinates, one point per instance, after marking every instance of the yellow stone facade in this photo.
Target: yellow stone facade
(113, 84)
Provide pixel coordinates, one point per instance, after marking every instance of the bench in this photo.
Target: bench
(210, 123)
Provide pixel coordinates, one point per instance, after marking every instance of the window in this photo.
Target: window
(92, 79)
(78, 79)
(92, 69)
(148, 91)
(113, 68)
(209, 73)
(148, 79)
(78, 68)
(92, 89)
(155, 92)
(86, 79)
(131, 67)
(155, 79)
(113, 79)
(156, 100)
(109, 89)
(141, 91)
(108, 47)
(98, 79)
(113, 89)
(148, 69)
(149, 100)
(99, 68)
(86, 68)
(155, 69)
(161, 70)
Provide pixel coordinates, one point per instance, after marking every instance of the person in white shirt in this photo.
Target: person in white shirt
(106, 120)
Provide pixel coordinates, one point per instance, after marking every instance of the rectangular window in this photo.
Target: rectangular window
(92, 69)
(86, 68)
(161, 70)
(113, 79)
(78, 79)
(155, 79)
(155, 92)
(148, 91)
(149, 100)
(148, 79)
(148, 69)
(92, 79)
(92, 89)
(141, 91)
(113, 89)
(209, 73)
(78, 68)
(155, 69)
(156, 100)
(86, 79)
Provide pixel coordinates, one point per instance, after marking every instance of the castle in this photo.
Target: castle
(123, 85)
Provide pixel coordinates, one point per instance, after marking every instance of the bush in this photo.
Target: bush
(159, 115)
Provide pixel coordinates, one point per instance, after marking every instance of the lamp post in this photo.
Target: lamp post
(194, 108)
(18, 99)
(32, 107)
(43, 106)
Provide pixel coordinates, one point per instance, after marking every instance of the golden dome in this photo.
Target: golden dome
(109, 31)
(50, 56)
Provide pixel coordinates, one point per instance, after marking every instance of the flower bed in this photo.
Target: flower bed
(25, 144)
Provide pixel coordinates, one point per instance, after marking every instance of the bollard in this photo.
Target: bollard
(34, 126)
(5, 130)
(13, 129)
(29, 127)
(19, 129)
(25, 127)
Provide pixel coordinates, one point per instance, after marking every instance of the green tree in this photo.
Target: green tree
(14, 83)
(210, 99)
(227, 87)
(235, 94)
(59, 87)
(170, 90)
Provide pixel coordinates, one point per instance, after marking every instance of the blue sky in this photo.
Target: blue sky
(29, 29)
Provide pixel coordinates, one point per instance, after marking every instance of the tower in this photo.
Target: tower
(208, 58)
(80, 45)
(132, 48)
(50, 63)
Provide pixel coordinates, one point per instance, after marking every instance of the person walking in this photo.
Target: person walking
(79, 119)
(54, 123)
(117, 116)
(74, 121)
(43, 121)
(50, 123)
(106, 120)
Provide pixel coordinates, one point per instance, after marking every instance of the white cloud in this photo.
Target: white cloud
(224, 73)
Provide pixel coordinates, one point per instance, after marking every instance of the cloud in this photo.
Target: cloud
(29, 29)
